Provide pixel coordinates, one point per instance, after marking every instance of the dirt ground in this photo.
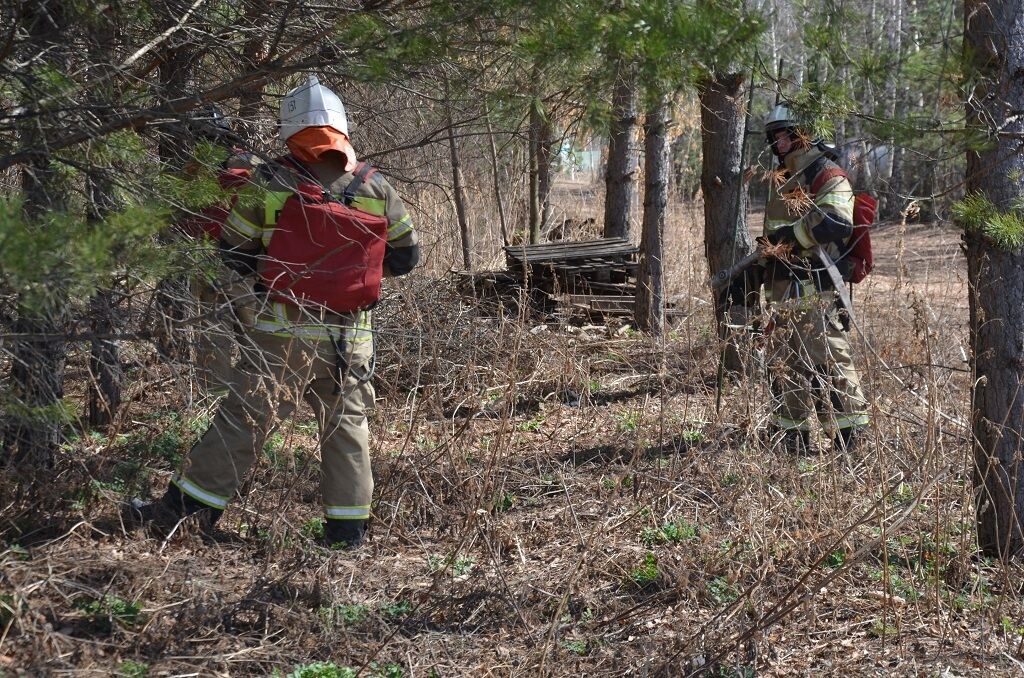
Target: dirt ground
(551, 500)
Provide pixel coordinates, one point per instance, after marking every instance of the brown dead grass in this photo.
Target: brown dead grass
(522, 477)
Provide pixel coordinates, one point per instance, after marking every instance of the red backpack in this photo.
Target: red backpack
(865, 206)
(323, 251)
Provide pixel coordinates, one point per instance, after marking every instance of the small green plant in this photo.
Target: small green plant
(730, 479)
(594, 386)
(1011, 628)
(168, 445)
(608, 483)
(835, 559)
(628, 422)
(346, 615)
(904, 494)
(879, 629)
(308, 428)
(322, 670)
(462, 565)
(646, 573)
(386, 670)
(579, 647)
(692, 436)
(273, 448)
(459, 565)
(670, 533)
(397, 609)
(533, 424)
(504, 502)
(132, 669)
(721, 591)
(313, 529)
(103, 613)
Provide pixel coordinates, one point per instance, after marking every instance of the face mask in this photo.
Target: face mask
(311, 144)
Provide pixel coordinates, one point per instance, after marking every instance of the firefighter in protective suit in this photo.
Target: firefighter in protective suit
(317, 230)
(809, 349)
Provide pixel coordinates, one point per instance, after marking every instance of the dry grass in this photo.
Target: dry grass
(557, 501)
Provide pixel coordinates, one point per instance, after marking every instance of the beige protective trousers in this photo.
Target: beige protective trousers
(810, 362)
(265, 388)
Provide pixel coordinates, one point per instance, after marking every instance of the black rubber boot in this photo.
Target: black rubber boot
(344, 534)
(846, 440)
(166, 512)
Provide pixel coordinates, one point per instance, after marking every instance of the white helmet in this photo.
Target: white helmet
(781, 117)
(311, 105)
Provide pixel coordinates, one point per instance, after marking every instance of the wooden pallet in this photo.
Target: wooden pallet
(596, 277)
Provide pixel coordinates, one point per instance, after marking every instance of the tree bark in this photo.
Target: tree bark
(176, 150)
(723, 116)
(649, 312)
(726, 235)
(105, 370)
(35, 426)
(502, 222)
(540, 170)
(459, 197)
(620, 173)
(996, 276)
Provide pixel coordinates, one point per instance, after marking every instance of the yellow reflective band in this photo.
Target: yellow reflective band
(199, 494)
(400, 228)
(278, 324)
(787, 424)
(850, 420)
(803, 235)
(273, 203)
(347, 512)
(242, 226)
(374, 206)
(834, 199)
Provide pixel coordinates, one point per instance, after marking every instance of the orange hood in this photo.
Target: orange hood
(310, 145)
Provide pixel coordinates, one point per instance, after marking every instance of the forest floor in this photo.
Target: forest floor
(552, 499)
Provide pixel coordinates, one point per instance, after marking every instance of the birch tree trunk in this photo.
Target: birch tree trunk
(993, 42)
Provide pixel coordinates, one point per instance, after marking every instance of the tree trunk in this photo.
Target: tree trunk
(723, 118)
(502, 222)
(34, 429)
(620, 173)
(650, 285)
(540, 170)
(105, 367)
(176, 150)
(459, 197)
(996, 277)
(106, 374)
(726, 235)
(536, 212)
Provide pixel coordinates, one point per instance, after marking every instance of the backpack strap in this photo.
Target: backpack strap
(818, 173)
(363, 172)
